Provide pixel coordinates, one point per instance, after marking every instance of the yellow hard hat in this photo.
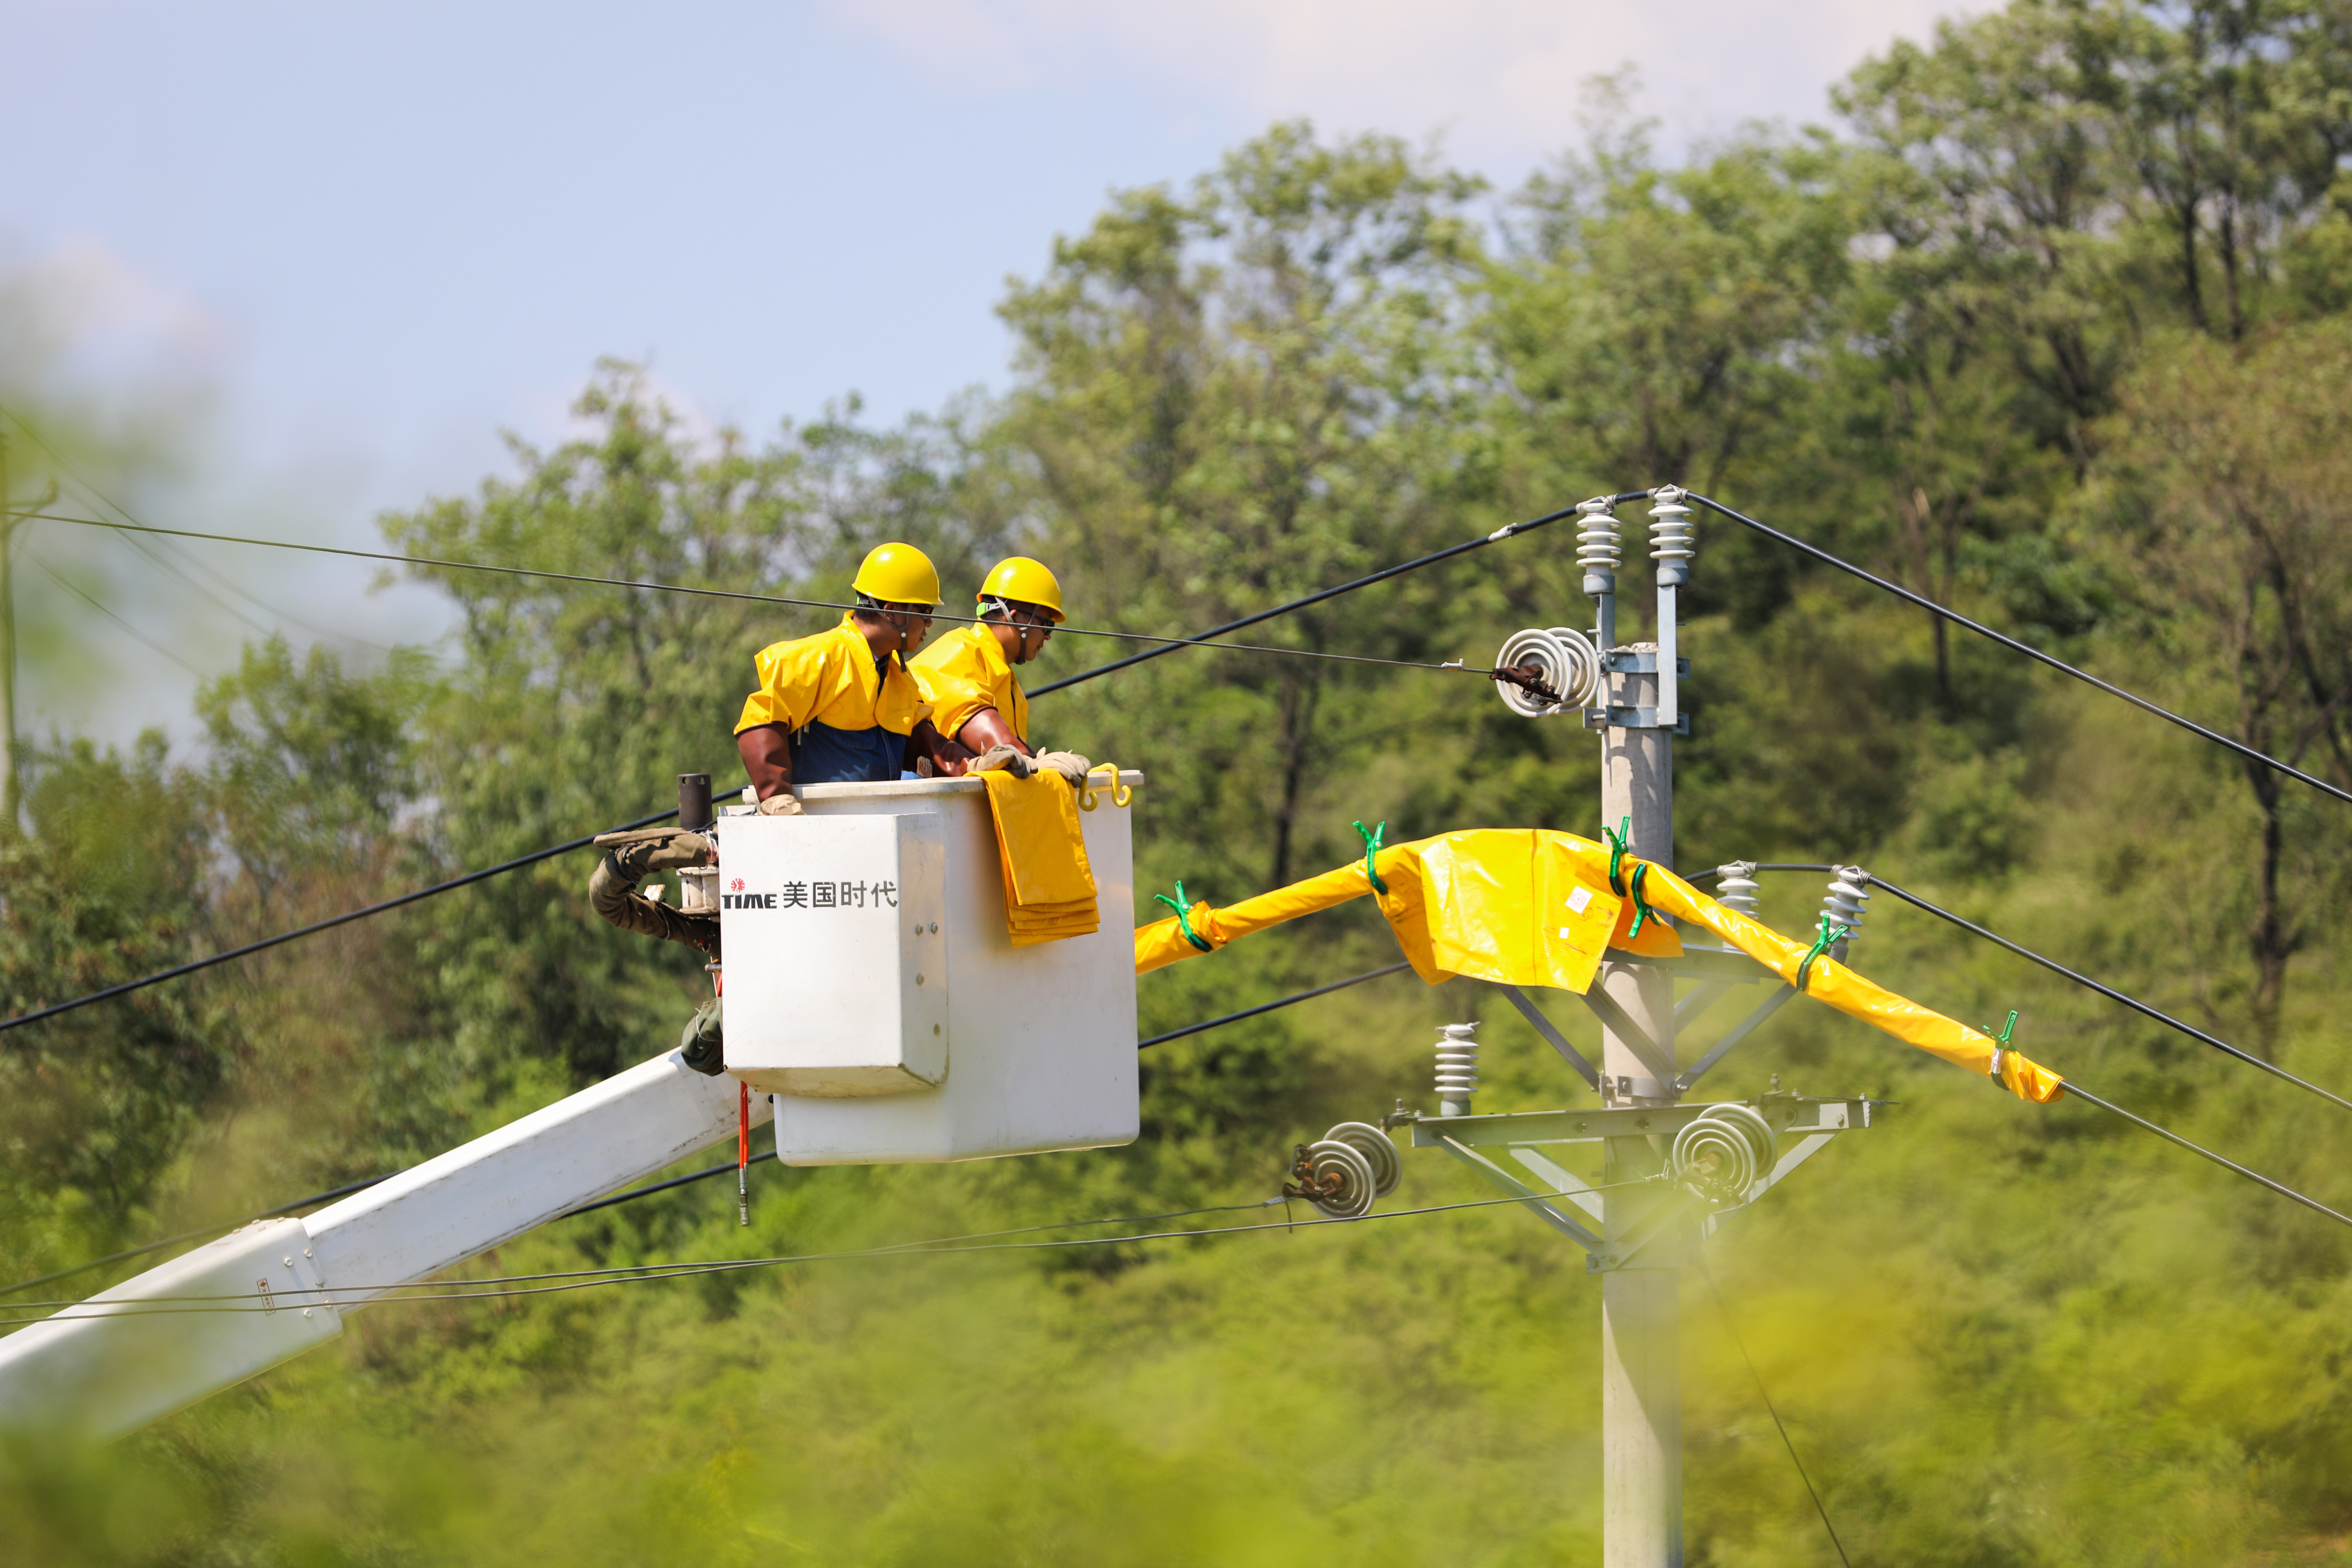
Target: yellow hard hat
(899, 574)
(1030, 582)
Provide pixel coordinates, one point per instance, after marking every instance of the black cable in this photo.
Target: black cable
(2167, 714)
(161, 564)
(1172, 644)
(635, 1193)
(1266, 1007)
(327, 924)
(675, 1181)
(2111, 995)
(135, 632)
(589, 1278)
(1430, 560)
(1732, 1329)
(934, 613)
(2284, 1191)
(344, 1191)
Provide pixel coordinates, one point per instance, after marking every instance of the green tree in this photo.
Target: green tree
(1231, 397)
(2231, 503)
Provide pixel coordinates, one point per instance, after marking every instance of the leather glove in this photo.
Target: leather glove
(781, 805)
(1006, 759)
(1069, 764)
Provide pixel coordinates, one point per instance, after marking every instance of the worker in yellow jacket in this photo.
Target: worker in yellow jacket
(841, 707)
(967, 675)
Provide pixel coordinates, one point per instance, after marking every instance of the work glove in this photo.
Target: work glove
(702, 1047)
(782, 804)
(628, 858)
(1006, 759)
(1069, 764)
(636, 854)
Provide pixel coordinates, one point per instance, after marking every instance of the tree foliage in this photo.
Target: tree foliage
(2053, 330)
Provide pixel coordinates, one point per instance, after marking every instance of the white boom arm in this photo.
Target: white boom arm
(131, 1356)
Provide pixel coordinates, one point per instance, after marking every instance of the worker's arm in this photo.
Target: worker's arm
(987, 728)
(925, 744)
(767, 750)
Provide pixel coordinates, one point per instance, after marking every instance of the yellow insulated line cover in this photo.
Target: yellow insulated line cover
(1532, 907)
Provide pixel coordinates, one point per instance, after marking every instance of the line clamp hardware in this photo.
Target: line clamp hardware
(1830, 935)
(1120, 794)
(1184, 908)
(1617, 852)
(2002, 1047)
(1372, 847)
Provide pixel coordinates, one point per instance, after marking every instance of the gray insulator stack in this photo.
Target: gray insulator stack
(1849, 891)
(1673, 540)
(1598, 549)
(1457, 1070)
(1736, 889)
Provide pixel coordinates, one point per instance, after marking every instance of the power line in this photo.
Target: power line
(2111, 995)
(2027, 650)
(2109, 992)
(108, 503)
(1171, 644)
(1431, 559)
(544, 854)
(587, 1279)
(659, 1186)
(1714, 871)
(328, 925)
(2075, 1089)
(1733, 1329)
(55, 576)
(208, 1230)
(1265, 1007)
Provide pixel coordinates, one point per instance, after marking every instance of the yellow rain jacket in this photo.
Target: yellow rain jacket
(849, 713)
(965, 671)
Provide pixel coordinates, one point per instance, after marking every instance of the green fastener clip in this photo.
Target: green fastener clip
(2000, 1048)
(1617, 852)
(1184, 908)
(1372, 848)
(1830, 935)
(1643, 913)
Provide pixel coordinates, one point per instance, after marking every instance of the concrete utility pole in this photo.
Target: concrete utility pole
(1641, 1305)
(1671, 1172)
(1641, 1310)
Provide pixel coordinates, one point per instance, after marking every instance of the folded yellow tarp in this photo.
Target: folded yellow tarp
(1532, 907)
(1049, 888)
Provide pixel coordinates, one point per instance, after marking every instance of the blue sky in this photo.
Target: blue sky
(354, 244)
